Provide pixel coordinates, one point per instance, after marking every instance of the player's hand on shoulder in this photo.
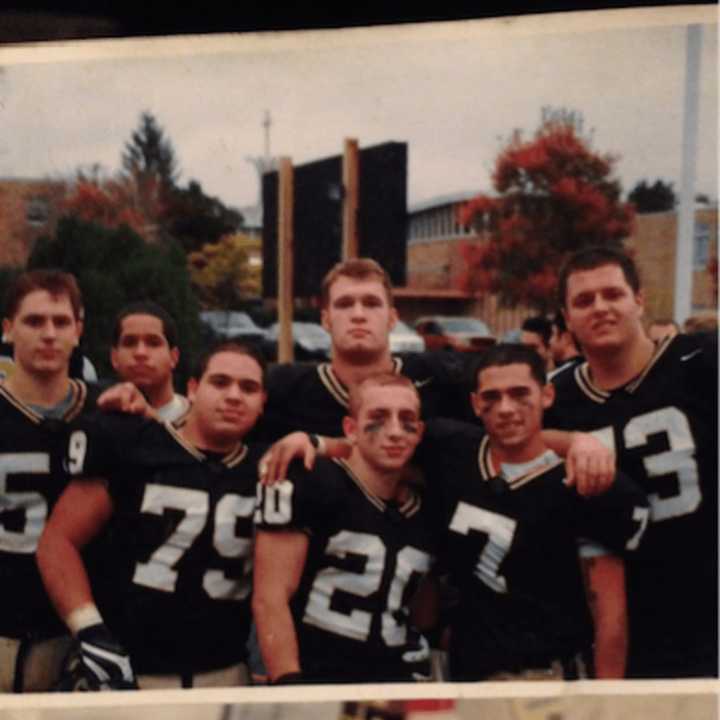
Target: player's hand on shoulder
(590, 465)
(126, 397)
(97, 662)
(274, 463)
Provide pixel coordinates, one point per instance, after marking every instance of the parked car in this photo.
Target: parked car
(451, 332)
(403, 339)
(310, 341)
(232, 325)
(512, 336)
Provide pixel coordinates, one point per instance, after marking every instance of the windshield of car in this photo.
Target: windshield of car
(227, 319)
(401, 327)
(240, 320)
(311, 331)
(464, 325)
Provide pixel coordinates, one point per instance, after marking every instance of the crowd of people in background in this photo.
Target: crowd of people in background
(545, 509)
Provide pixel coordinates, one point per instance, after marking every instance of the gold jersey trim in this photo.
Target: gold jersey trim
(231, 459)
(78, 396)
(489, 471)
(584, 380)
(409, 507)
(336, 388)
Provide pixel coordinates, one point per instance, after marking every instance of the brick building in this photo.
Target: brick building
(655, 242)
(434, 240)
(28, 209)
(435, 264)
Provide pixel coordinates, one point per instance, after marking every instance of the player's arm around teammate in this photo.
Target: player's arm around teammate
(590, 464)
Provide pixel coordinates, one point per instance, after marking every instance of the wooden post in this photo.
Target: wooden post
(350, 199)
(285, 260)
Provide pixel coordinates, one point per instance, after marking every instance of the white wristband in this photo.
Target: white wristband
(83, 617)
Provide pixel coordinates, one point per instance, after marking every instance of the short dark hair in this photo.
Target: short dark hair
(55, 282)
(594, 257)
(251, 351)
(147, 307)
(510, 354)
(540, 326)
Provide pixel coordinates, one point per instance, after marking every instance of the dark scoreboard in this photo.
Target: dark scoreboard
(317, 217)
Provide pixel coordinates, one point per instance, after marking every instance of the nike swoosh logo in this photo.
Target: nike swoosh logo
(423, 383)
(683, 358)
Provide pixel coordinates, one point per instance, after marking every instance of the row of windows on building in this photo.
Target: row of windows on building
(436, 223)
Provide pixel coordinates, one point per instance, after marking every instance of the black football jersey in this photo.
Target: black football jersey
(313, 399)
(181, 545)
(33, 473)
(365, 559)
(663, 426)
(511, 549)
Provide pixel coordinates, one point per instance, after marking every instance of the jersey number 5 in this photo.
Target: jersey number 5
(32, 504)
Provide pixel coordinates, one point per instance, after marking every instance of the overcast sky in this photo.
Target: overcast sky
(452, 91)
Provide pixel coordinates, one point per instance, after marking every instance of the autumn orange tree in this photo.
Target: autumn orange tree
(146, 197)
(554, 195)
(112, 202)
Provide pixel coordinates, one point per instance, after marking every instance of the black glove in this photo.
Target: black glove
(97, 662)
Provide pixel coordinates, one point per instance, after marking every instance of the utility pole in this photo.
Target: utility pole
(686, 215)
(267, 122)
(263, 163)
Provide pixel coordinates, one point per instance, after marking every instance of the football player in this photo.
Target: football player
(179, 500)
(512, 534)
(656, 405)
(340, 552)
(39, 402)
(145, 353)
(358, 312)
